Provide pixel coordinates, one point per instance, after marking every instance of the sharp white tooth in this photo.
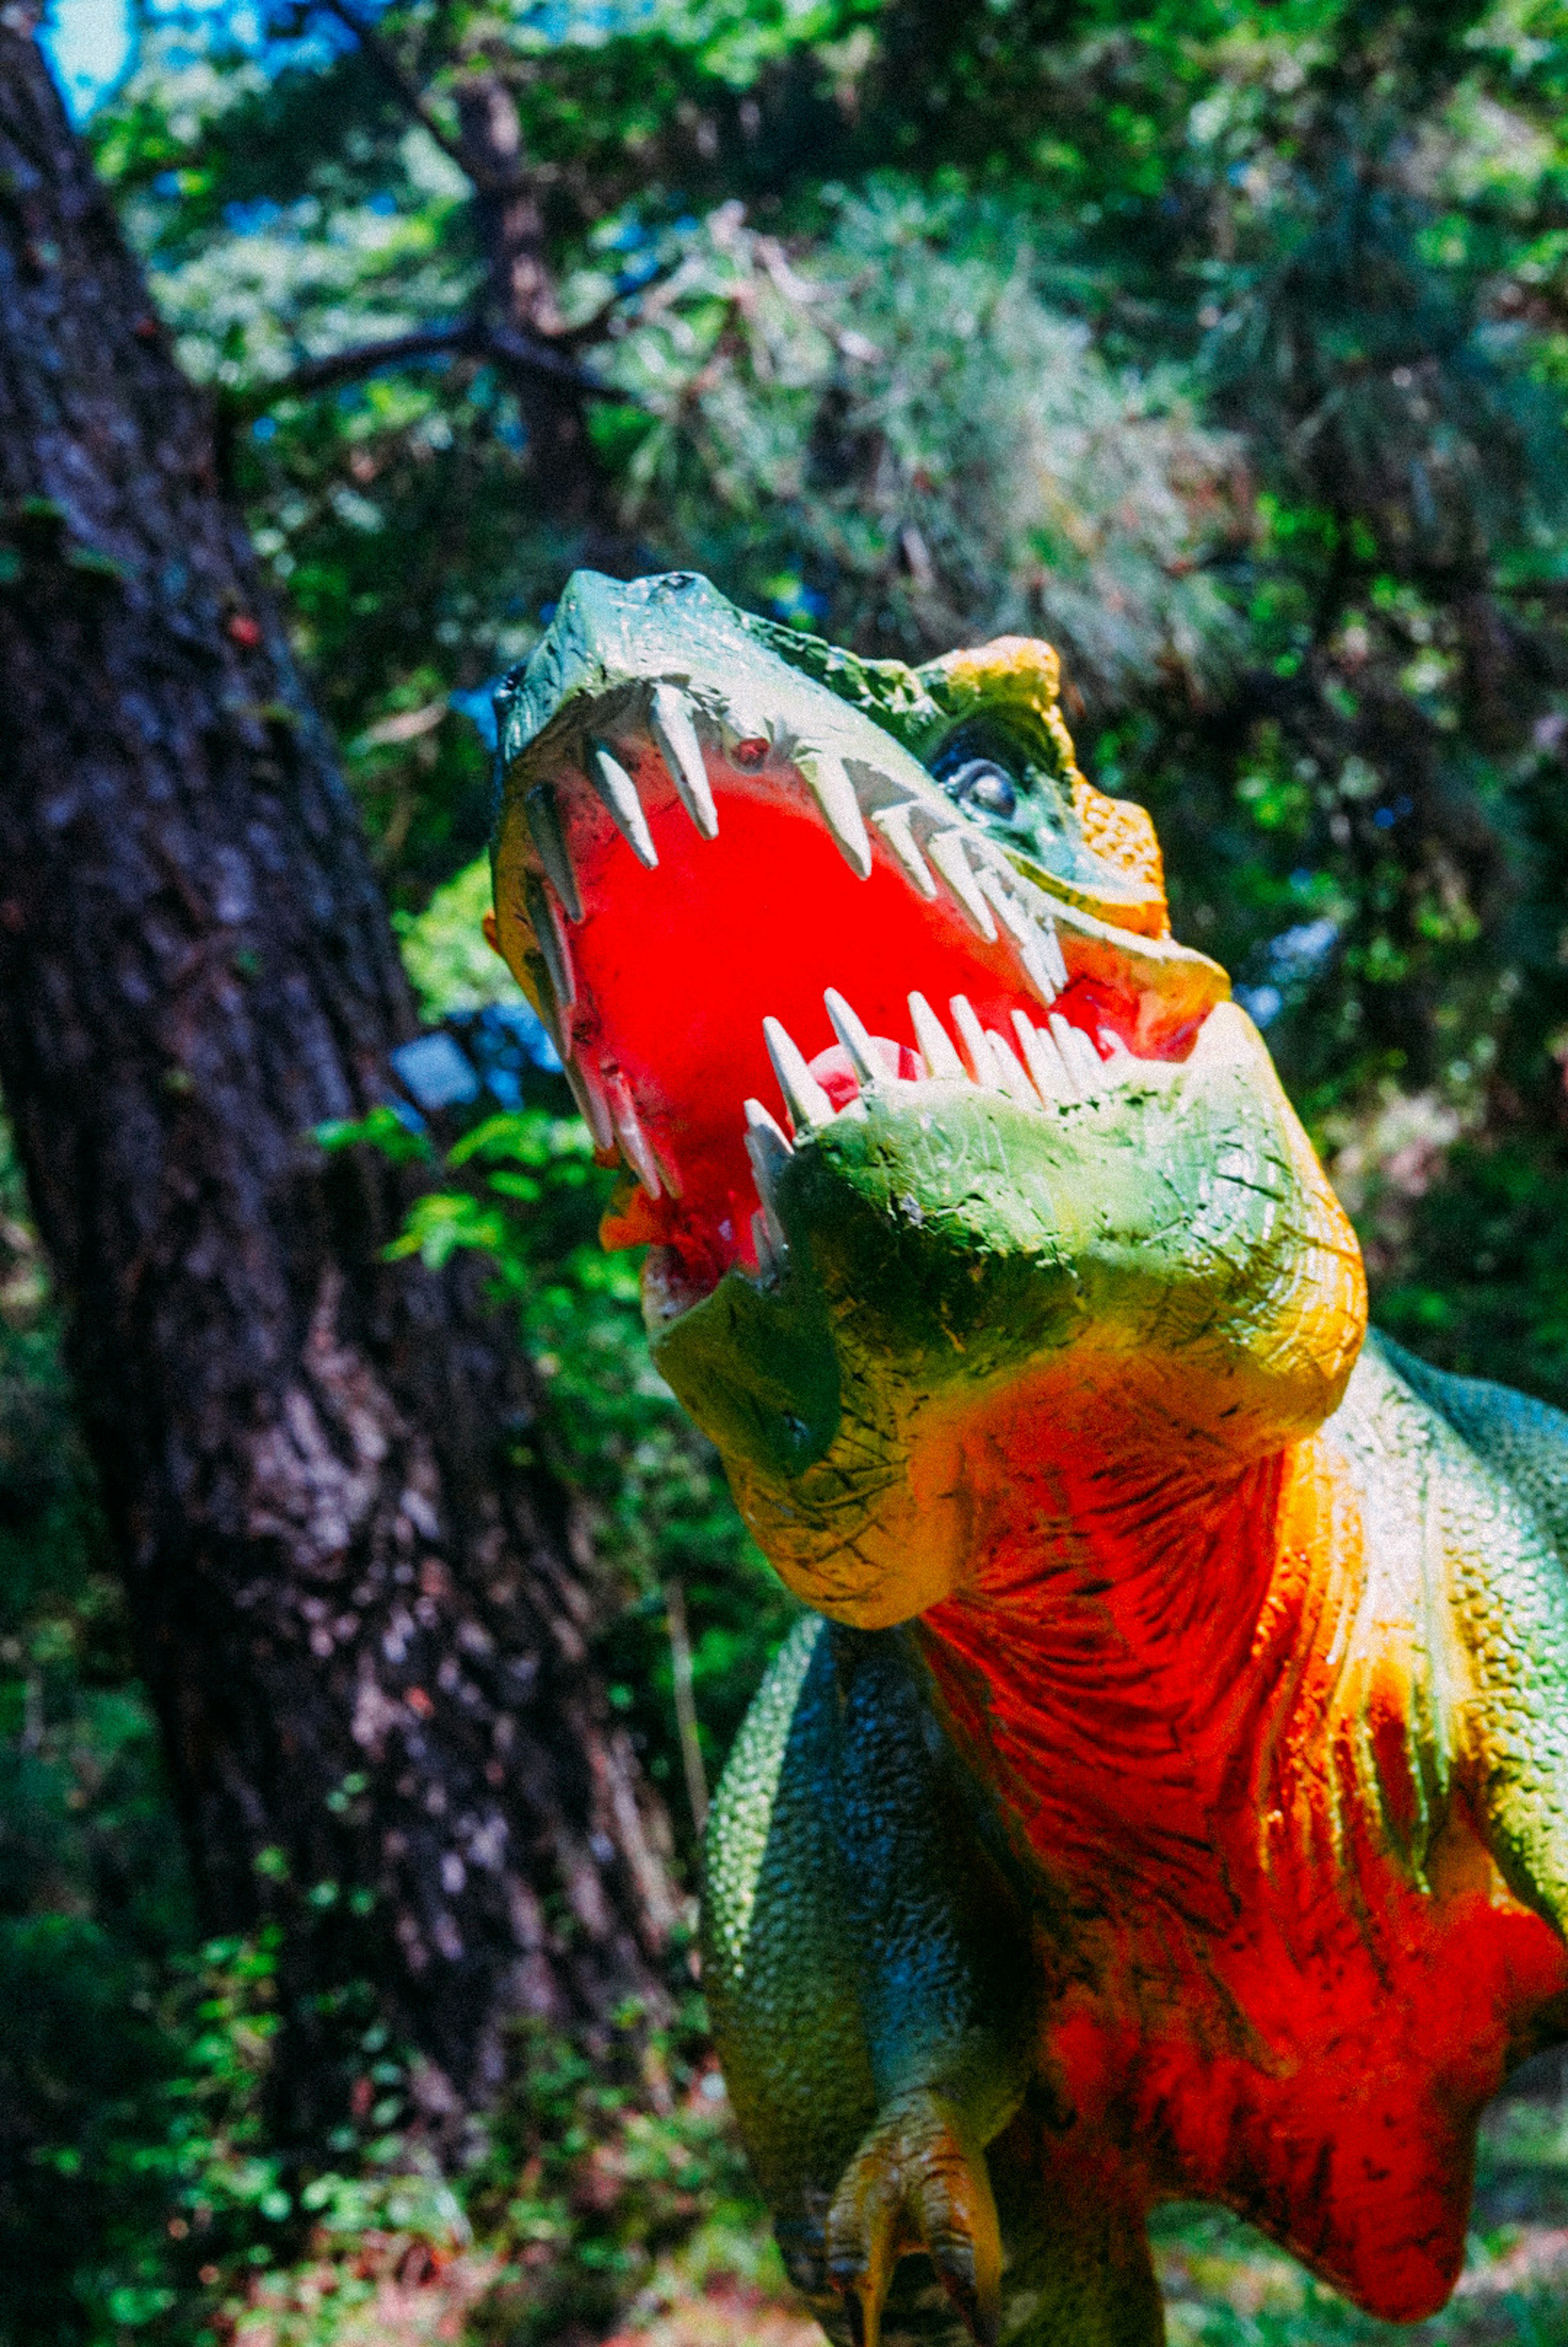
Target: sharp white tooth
(769, 1152)
(941, 1060)
(762, 1121)
(1118, 1063)
(1009, 1074)
(894, 823)
(946, 851)
(619, 794)
(669, 722)
(542, 811)
(1051, 954)
(1089, 1060)
(1034, 960)
(971, 1036)
(634, 1140)
(835, 795)
(804, 1098)
(769, 1245)
(1016, 917)
(851, 1033)
(1045, 1064)
(546, 917)
(1078, 1052)
(555, 1025)
(595, 1110)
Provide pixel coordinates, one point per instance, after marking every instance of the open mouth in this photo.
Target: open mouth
(736, 938)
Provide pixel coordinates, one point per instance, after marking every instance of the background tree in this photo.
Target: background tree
(353, 1592)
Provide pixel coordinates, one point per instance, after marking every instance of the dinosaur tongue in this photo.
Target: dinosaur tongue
(834, 1070)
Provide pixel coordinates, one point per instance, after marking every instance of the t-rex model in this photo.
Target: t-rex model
(1174, 1801)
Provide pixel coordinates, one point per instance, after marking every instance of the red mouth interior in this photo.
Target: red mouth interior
(677, 969)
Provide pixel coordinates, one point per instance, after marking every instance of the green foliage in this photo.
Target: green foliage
(892, 434)
(93, 1897)
(451, 967)
(595, 2170)
(1481, 1284)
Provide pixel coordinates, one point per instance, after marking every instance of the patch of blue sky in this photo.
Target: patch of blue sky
(91, 42)
(88, 43)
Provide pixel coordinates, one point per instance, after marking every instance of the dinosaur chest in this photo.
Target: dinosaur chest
(1284, 1973)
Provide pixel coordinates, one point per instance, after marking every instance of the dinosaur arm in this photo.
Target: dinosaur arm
(942, 1941)
(1505, 1516)
(947, 1993)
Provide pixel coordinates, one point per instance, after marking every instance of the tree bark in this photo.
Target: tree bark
(361, 1611)
(565, 472)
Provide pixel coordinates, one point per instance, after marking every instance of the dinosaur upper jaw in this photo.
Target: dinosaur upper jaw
(676, 882)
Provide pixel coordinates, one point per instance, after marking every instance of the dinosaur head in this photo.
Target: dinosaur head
(928, 1120)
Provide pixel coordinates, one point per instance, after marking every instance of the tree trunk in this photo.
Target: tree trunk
(359, 1607)
(565, 476)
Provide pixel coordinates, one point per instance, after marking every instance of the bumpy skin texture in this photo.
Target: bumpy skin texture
(1172, 1801)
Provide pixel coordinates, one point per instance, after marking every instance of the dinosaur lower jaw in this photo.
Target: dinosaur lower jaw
(692, 976)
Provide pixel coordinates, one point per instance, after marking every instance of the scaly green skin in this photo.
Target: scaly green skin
(1067, 1338)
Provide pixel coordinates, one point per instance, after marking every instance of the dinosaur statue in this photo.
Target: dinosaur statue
(1167, 1796)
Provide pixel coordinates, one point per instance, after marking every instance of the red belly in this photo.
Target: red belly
(1328, 2092)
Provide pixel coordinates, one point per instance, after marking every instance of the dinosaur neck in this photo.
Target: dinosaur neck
(1141, 1650)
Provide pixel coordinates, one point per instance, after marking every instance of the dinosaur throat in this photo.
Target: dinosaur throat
(740, 934)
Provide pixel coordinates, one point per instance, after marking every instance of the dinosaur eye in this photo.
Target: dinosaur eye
(981, 783)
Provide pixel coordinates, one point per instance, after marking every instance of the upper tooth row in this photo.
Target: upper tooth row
(675, 737)
(981, 893)
(1056, 1063)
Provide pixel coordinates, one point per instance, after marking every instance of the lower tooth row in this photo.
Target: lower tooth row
(1062, 1065)
(1056, 1063)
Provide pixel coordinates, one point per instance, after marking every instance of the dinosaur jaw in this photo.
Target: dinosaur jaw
(688, 905)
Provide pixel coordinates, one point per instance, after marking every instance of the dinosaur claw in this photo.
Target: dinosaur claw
(981, 2316)
(863, 2314)
(918, 2181)
(863, 2247)
(957, 2224)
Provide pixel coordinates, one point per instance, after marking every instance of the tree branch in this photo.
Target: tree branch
(591, 328)
(506, 344)
(516, 349)
(384, 58)
(363, 359)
